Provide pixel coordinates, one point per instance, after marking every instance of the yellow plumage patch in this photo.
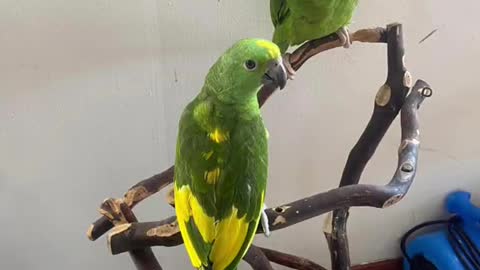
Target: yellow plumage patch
(227, 235)
(272, 49)
(218, 136)
(183, 216)
(204, 223)
(230, 236)
(187, 206)
(212, 176)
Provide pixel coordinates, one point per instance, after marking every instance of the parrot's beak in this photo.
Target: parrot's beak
(276, 74)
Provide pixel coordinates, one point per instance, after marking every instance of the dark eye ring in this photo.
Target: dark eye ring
(250, 65)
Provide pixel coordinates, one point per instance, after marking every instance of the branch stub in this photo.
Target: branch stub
(383, 95)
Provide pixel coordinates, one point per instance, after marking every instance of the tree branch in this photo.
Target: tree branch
(152, 185)
(132, 197)
(119, 213)
(314, 47)
(257, 259)
(133, 236)
(166, 233)
(388, 102)
(290, 261)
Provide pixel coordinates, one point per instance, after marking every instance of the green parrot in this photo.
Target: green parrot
(297, 21)
(221, 158)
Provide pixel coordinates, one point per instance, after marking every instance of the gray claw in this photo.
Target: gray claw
(344, 36)
(264, 220)
(286, 62)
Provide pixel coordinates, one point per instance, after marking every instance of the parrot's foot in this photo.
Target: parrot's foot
(264, 220)
(290, 71)
(344, 36)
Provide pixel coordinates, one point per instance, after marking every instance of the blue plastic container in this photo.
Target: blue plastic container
(435, 246)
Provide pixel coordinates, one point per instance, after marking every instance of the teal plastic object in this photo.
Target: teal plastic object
(437, 247)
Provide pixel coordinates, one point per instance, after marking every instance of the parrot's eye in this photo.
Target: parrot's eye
(250, 65)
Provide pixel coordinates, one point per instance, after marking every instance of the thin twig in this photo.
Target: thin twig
(428, 36)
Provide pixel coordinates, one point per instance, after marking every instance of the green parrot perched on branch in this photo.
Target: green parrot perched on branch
(221, 157)
(297, 21)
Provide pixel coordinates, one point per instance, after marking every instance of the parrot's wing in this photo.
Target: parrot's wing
(195, 208)
(220, 179)
(240, 193)
(279, 10)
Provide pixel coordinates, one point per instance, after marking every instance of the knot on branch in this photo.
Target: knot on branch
(165, 230)
(427, 92)
(393, 200)
(135, 195)
(383, 95)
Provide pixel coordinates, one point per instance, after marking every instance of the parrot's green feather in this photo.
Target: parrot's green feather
(299, 21)
(278, 11)
(222, 159)
(202, 248)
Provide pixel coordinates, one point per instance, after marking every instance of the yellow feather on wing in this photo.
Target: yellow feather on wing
(231, 236)
(228, 236)
(187, 207)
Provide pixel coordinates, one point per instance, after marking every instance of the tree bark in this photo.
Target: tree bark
(290, 261)
(119, 213)
(257, 259)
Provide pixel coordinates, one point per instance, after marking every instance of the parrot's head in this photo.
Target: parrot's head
(244, 68)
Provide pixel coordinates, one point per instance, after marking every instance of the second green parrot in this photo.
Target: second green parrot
(221, 159)
(297, 21)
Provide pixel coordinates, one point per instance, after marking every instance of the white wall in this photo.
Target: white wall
(90, 94)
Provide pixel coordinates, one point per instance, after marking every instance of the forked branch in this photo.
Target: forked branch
(132, 236)
(166, 233)
(152, 185)
(388, 102)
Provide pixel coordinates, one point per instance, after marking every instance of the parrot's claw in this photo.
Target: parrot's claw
(264, 220)
(290, 71)
(344, 36)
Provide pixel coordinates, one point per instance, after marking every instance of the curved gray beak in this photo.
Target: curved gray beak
(276, 75)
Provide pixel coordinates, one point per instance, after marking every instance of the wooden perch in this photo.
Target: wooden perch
(118, 212)
(314, 47)
(166, 233)
(291, 261)
(392, 97)
(257, 259)
(388, 102)
(134, 195)
(152, 185)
